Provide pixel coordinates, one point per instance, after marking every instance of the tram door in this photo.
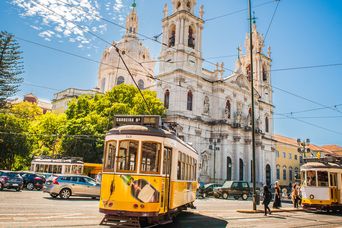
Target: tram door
(167, 162)
(333, 188)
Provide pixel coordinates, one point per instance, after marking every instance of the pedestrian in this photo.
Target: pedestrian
(267, 199)
(295, 196)
(277, 196)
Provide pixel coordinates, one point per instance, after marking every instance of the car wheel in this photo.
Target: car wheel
(236, 197)
(30, 186)
(54, 195)
(244, 196)
(65, 193)
(204, 195)
(1, 186)
(18, 189)
(225, 195)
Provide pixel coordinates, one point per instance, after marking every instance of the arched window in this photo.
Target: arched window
(250, 115)
(284, 172)
(241, 169)
(189, 101)
(141, 84)
(103, 84)
(227, 109)
(266, 124)
(290, 173)
(120, 80)
(166, 98)
(268, 175)
(191, 39)
(278, 172)
(229, 168)
(172, 35)
(264, 73)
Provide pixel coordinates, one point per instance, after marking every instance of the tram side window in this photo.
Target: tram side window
(127, 158)
(311, 178)
(186, 169)
(110, 156)
(150, 153)
(167, 161)
(322, 178)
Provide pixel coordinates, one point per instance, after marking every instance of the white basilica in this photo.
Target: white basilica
(208, 109)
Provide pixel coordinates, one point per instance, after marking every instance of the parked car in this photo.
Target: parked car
(207, 189)
(33, 181)
(10, 180)
(68, 185)
(236, 189)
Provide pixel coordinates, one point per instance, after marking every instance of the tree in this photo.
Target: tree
(46, 133)
(11, 67)
(89, 118)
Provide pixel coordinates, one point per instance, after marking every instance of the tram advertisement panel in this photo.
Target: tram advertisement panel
(127, 192)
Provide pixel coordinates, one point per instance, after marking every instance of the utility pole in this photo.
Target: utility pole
(252, 97)
(214, 160)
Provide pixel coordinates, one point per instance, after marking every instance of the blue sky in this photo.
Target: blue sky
(302, 33)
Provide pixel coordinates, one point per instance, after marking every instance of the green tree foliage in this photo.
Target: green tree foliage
(10, 67)
(89, 118)
(13, 140)
(15, 143)
(46, 133)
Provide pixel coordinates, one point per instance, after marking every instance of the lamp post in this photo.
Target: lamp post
(303, 147)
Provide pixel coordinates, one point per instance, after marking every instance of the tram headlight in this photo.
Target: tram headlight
(312, 196)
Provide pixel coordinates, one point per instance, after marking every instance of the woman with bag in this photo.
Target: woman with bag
(277, 202)
(295, 196)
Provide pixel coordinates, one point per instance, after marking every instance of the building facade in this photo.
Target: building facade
(209, 109)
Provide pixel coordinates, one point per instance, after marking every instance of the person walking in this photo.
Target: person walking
(267, 199)
(295, 196)
(277, 196)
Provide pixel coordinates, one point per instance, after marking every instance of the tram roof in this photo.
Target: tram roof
(319, 165)
(148, 131)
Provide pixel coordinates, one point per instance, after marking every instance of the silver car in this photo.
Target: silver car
(68, 185)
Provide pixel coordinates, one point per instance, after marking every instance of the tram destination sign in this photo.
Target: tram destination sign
(145, 120)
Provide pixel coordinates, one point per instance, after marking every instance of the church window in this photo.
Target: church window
(266, 124)
(241, 169)
(188, 4)
(227, 109)
(189, 101)
(178, 5)
(120, 80)
(141, 84)
(130, 29)
(166, 98)
(264, 74)
(250, 116)
(172, 36)
(290, 173)
(144, 56)
(278, 172)
(284, 172)
(191, 38)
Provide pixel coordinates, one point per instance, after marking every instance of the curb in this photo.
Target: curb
(272, 210)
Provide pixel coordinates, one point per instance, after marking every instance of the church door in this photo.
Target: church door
(268, 175)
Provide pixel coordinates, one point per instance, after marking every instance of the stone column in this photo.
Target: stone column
(182, 31)
(235, 158)
(177, 38)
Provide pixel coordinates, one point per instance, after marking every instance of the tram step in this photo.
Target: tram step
(119, 221)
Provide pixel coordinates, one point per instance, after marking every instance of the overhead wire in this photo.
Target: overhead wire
(269, 26)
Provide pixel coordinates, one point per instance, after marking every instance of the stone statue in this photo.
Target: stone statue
(201, 11)
(206, 105)
(165, 10)
(227, 110)
(258, 123)
(205, 164)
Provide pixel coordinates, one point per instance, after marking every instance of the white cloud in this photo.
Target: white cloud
(71, 19)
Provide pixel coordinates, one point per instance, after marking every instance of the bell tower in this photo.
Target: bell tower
(182, 38)
(132, 23)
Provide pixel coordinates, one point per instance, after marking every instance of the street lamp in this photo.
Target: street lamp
(303, 146)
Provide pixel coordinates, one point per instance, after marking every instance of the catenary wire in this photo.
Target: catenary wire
(269, 26)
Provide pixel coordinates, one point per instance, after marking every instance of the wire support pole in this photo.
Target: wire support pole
(252, 98)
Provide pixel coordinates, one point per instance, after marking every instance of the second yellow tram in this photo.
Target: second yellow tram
(148, 173)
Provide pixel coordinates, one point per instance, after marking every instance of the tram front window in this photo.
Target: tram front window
(110, 156)
(150, 153)
(127, 157)
(311, 178)
(322, 178)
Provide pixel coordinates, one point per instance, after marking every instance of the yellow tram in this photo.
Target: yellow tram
(322, 185)
(148, 173)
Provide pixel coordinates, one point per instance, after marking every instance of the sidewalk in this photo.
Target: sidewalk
(286, 207)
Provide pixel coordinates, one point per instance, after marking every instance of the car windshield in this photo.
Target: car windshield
(11, 175)
(227, 184)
